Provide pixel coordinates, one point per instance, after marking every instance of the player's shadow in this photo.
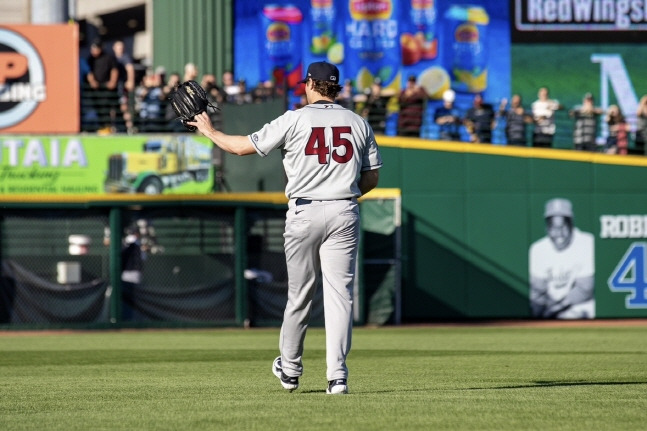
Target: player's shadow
(532, 385)
(552, 384)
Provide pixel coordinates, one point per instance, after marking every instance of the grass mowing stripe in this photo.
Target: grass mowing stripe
(401, 379)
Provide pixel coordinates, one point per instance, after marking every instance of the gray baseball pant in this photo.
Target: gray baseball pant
(320, 236)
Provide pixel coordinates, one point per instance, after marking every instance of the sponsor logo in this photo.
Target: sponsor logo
(22, 78)
(370, 9)
(278, 32)
(580, 15)
(321, 3)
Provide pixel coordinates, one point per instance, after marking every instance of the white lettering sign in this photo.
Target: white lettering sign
(623, 226)
(15, 152)
(580, 15)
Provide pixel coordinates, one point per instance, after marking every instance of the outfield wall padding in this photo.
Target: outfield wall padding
(471, 212)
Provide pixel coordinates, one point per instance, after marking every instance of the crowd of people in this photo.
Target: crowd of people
(535, 126)
(117, 99)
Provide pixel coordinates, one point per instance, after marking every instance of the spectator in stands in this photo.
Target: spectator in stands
(88, 111)
(190, 72)
(412, 105)
(242, 96)
(345, 97)
(641, 125)
(172, 123)
(125, 83)
(216, 96)
(585, 130)
(230, 86)
(104, 71)
(375, 107)
(303, 101)
(211, 87)
(480, 120)
(150, 97)
(172, 82)
(84, 69)
(516, 118)
(103, 79)
(617, 140)
(448, 118)
(263, 92)
(132, 266)
(543, 112)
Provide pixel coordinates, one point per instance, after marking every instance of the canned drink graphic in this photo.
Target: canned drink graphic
(468, 62)
(422, 14)
(281, 43)
(372, 43)
(322, 15)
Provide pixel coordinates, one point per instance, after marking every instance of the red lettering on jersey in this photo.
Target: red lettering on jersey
(316, 145)
(338, 141)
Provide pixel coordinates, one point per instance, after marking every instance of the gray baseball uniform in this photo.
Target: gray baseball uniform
(324, 148)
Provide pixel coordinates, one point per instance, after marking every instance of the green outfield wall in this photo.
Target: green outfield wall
(470, 213)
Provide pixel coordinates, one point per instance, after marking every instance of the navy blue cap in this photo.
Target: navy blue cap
(322, 71)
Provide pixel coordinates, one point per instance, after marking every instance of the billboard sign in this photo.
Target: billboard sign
(568, 21)
(169, 164)
(39, 79)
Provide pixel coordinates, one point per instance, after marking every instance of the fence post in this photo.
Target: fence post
(240, 263)
(115, 265)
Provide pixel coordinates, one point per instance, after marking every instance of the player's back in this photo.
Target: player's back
(325, 151)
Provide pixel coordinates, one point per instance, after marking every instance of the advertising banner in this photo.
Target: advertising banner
(39, 78)
(569, 21)
(126, 164)
(443, 43)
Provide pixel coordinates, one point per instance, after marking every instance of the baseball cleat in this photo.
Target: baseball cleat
(288, 383)
(338, 386)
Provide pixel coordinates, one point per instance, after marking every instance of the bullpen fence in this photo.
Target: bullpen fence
(200, 261)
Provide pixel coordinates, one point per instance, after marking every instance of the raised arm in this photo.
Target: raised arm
(234, 144)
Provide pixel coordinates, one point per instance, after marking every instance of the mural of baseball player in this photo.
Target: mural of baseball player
(562, 267)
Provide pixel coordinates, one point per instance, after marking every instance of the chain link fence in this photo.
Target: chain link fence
(177, 266)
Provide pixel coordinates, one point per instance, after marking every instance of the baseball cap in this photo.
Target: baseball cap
(322, 71)
(449, 95)
(558, 207)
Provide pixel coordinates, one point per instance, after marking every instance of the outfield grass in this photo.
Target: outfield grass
(431, 378)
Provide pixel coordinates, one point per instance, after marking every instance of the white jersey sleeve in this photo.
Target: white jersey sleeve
(324, 148)
(575, 261)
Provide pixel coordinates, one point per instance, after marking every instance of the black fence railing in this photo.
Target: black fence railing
(128, 112)
(105, 110)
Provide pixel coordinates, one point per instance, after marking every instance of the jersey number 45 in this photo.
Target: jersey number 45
(342, 148)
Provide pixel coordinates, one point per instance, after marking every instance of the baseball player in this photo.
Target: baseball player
(330, 158)
(562, 267)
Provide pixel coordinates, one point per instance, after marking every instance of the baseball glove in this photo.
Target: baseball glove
(188, 100)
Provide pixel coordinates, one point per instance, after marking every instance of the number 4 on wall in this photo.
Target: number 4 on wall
(630, 276)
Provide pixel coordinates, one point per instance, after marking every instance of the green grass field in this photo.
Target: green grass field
(422, 378)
